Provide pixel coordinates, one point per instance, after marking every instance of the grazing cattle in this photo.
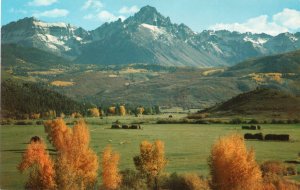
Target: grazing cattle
(35, 139)
(274, 137)
(124, 126)
(116, 126)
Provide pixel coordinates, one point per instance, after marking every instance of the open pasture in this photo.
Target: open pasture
(187, 145)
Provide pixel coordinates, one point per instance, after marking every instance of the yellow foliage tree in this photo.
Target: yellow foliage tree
(151, 161)
(94, 112)
(77, 164)
(122, 110)
(110, 174)
(76, 115)
(233, 166)
(140, 110)
(42, 174)
(35, 116)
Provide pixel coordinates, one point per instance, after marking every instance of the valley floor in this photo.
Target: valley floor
(187, 145)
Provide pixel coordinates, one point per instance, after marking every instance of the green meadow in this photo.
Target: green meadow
(187, 146)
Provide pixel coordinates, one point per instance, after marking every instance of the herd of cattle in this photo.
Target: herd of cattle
(125, 126)
(267, 137)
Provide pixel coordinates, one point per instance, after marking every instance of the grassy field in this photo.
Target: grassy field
(187, 145)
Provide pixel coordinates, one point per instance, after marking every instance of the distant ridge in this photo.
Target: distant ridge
(148, 37)
(281, 63)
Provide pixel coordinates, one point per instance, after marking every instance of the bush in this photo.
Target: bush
(24, 123)
(190, 181)
(124, 126)
(253, 121)
(198, 116)
(273, 167)
(236, 121)
(39, 122)
(6, 122)
(116, 126)
(131, 180)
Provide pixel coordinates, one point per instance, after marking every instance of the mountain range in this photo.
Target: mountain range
(147, 37)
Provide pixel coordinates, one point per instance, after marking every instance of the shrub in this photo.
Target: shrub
(278, 168)
(116, 126)
(35, 116)
(236, 121)
(124, 126)
(6, 122)
(132, 180)
(76, 115)
(24, 123)
(198, 116)
(194, 182)
(274, 167)
(253, 121)
(189, 181)
(39, 122)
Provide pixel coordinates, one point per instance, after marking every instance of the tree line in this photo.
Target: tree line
(23, 100)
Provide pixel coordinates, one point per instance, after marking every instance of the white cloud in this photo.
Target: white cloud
(286, 21)
(94, 4)
(89, 16)
(53, 13)
(41, 2)
(106, 16)
(289, 18)
(129, 10)
(17, 11)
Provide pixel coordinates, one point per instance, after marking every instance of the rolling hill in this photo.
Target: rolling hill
(262, 102)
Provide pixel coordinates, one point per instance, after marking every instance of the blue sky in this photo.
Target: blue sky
(270, 16)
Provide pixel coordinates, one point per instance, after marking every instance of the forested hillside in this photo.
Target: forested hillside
(27, 98)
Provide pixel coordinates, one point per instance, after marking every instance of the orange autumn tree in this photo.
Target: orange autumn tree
(42, 174)
(112, 110)
(76, 164)
(110, 174)
(232, 166)
(151, 161)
